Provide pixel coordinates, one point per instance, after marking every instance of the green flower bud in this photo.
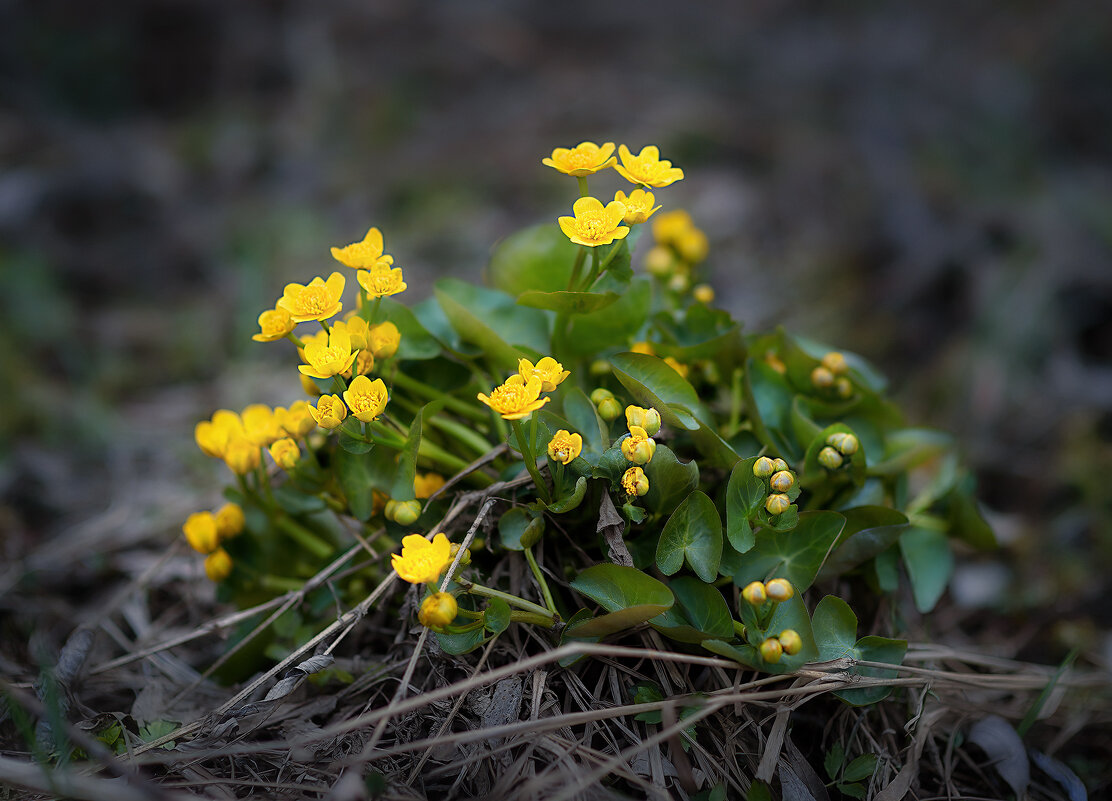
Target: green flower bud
(849, 445)
(782, 481)
(771, 650)
(777, 503)
(600, 394)
(600, 367)
(835, 363)
(638, 447)
(763, 467)
(790, 641)
(610, 409)
(778, 465)
(830, 458)
(466, 560)
(754, 593)
(844, 387)
(780, 590)
(822, 378)
(406, 512)
(648, 419)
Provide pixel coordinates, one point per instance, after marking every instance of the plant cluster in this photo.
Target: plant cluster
(677, 472)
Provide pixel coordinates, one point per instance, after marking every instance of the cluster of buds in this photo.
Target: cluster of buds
(609, 408)
(780, 483)
(773, 648)
(639, 448)
(832, 376)
(777, 590)
(205, 531)
(839, 446)
(238, 439)
(678, 247)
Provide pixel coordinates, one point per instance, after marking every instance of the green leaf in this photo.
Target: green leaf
(297, 503)
(966, 522)
(416, 342)
(929, 564)
(580, 617)
(356, 476)
(568, 302)
(536, 258)
(406, 470)
(630, 596)
(464, 643)
(583, 417)
(613, 326)
(653, 383)
(157, 729)
(566, 503)
(853, 790)
(835, 758)
(670, 481)
(693, 533)
(791, 614)
(887, 567)
(511, 527)
(796, 556)
(493, 321)
(860, 768)
(745, 494)
(497, 616)
(908, 448)
(354, 445)
(869, 531)
(835, 629)
(703, 605)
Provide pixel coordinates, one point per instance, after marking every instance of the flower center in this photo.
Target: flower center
(314, 300)
(593, 226)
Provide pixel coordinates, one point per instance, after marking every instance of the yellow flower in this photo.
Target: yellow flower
(421, 561)
(660, 261)
(383, 340)
(366, 398)
(635, 482)
(285, 453)
(426, 484)
(594, 224)
(564, 447)
(682, 369)
(274, 324)
(260, 425)
(367, 253)
(363, 364)
(648, 419)
(381, 281)
(584, 159)
(325, 361)
(329, 412)
(201, 532)
(241, 456)
(438, 610)
(213, 435)
(356, 328)
(229, 520)
(548, 370)
(516, 398)
(296, 420)
(704, 293)
(320, 300)
(639, 205)
(638, 447)
(693, 246)
(647, 167)
(309, 386)
(319, 337)
(643, 347)
(218, 565)
(669, 227)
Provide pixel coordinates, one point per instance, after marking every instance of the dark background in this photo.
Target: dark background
(927, 184)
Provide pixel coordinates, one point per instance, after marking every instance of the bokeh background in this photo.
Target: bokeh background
(927, 184)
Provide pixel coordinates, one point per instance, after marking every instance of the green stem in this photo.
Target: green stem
(478, 624)
(526, 448)
(583, 191)
(529, 617)
(577, 267)
(292, 337)
(374, 311)
(303, 536)
(462, 433)
(512, 600)
(432, 393)
(545, 592)
(593, 274)
(280, 583)
(735, 405)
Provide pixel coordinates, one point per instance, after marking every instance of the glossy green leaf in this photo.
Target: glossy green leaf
(693, 534)
(496, 618)
(568, 302)
(352, 444)
(773, 398)
(355, 474)
(869, 531)
(416, 341)
(493, 321)
(406, 467)
(536, 258)
(966, 521)
(511, 527)
(576, 620)
(464, 643)
(929, 564)
(653, 383)
(703, 606)
(670, 481)
(611, 327)
(584, 420)
(565, 503)
(628, 595)
(835, 630)
(796, 556)
(745, 494)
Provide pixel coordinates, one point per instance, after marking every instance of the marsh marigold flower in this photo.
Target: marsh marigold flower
(365, 254)
(285, 453)
(229, 521)
(425, 484)
(693, 246)
(383, 340)
(593, 223)
(438, 610)
(201, 533)
(669, 228)
(422, 561)
(548, 370)
(325, 361)
(638, 447)
(319, 300)
(381, 281)
(516, 398)
(648, 419)
(364, 363)
(218, 565)
(213, 435)
(647, 167)
(635, 482)
(704, 293)
(274, 324)
(584, 159)
(356, 328)
(564, 447)
(366, 398)
(639, 205)
(329, 412)
(296, 420)
(241, 456)
(260, 425)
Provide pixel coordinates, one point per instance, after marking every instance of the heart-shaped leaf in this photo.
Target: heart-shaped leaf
(670, 481)
(654, 383)
(796, 556)
(745, 494)
(630, 596)
(929, 564)
(693, 534)
(835, 630)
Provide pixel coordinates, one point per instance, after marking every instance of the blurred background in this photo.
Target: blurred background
(929, 185)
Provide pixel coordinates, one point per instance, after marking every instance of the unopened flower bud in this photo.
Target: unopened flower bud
(679, 282)
(779, 590)
(844, 387)
(466, 560)
(201, 532)
(438, 610)
(778, 465)
(790, 641)
(704, 293)
(610, 409)
(754, 593)
(533, 532)
(782, 481)
(775, 362)
(405, 513)
(638, 447)
(218, 565)
(822, 378)
(600, 394)
(771, 650)
(635, 482)
(830, 458)
(777, 503)
(659, 261)
(229, 520)
(835, 363)
(763, 467)
(599, 367)
(285, 453)
(848, 445)
(648, 419)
